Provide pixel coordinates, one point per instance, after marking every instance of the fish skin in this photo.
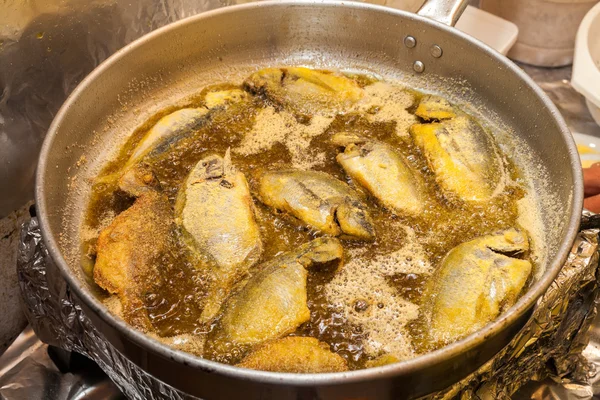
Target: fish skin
(128, 251)
(273, 303)
(463, 157)
(476, 281)
(165, 133)
(295, 354)
(304, 91)
(174, 125)
(383, 172)
(157, 140)
(215, 213)
(319, 200)
(433, 107)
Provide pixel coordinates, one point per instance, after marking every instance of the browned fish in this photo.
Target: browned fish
(216, 215)
(433, 107)
(319, 200)
(295, 354)
(305, 92)
(477, 281)
(383, 171)
(273, 303)
(463, 156)
(128, 252)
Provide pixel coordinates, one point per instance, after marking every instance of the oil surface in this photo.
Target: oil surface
(407, 249)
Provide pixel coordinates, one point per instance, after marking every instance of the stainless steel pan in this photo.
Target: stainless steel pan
(170, 63)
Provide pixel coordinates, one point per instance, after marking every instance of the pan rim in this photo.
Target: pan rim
(525, 303)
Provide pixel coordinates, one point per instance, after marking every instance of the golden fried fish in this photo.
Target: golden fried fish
(216, 215)
(128, 251)
(319, 200)
(384, 172)
(476, 281)
(304, 91)
(434, 108)
(384, 359)
(159, 138)
(463, 156)
(273, 302)
(167, 131)
(217, 98)
(296, 354)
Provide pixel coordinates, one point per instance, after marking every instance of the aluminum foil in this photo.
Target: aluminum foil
(12, 320)
(549, 347)
(32, 370)
(58, 320)
(46, 48)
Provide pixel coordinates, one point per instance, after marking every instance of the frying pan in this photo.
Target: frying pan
(421, 49)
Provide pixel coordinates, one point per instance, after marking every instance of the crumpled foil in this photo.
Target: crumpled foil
(46, 48)
(549, 347)
(32, 370)
(58, 320)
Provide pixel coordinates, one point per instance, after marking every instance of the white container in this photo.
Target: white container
(547, 28)
(586, 66)
(492, 30)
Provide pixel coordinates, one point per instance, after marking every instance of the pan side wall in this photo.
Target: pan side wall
(170, 64)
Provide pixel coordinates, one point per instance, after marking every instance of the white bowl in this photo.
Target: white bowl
(594, 110)
(586, 64)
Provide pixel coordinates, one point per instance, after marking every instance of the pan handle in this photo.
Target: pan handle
(444, 11)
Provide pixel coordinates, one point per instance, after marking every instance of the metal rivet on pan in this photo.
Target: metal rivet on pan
(436, 51)
(410, 42)
(418, 66)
